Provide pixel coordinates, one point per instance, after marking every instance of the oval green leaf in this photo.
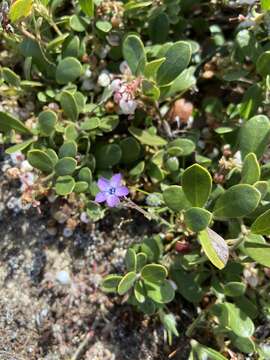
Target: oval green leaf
(238, 201)
(214, 247)
(197, 185)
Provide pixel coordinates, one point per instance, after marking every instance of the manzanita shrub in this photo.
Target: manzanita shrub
(160, 106)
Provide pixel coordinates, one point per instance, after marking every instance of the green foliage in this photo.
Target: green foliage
(87, 7)
(197, 184)
(214, 247)
(197, 219)
(238, 201)
(20, 9)
(254, 135)
(177, 59)
(134, 54)
(186, 124)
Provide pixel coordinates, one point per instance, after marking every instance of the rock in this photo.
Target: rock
(63, 277)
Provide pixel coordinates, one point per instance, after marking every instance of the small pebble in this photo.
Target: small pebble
(63, 277)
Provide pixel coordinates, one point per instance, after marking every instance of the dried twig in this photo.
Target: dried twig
(83, 346)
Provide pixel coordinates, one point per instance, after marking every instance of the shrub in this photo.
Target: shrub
(173, 97)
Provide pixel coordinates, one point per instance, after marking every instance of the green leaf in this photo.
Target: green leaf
(175, 198)
(252, 99)
(68, 149)
(109, 123)
(131, 260)
(238, 201)
(155, 172)
(141, 260)
(154, 273)
(90, 124)
(47, 120)
(32, 49)
(247, 306)
(183, 82)
(104, 26)
(8, 122)
(134, 54)
(52, 154)
(150, 89)
(251, 171)
(236, 320)
(186, 285)
(71, 132)
(68, 70)
(65, 166)
(77, 23)
(148, 307)
(197, 185)
(139, 292)
(81, 187)
(85, 174)
(258, 252)
(56, 42)
(69, 105)
(126, 283)
(19, 147)
(205, 352)
(40, 160)
(146, 138)
(234, 289)
(197, 219)
(181, 147)
(10, 77)
(152, 67)
(214, 247)
(159, 27)
(137, 170)
(152, 247)
(244, 344)
(262, 64)
(87, 7)
(71, 47)
(64, 185)
(172, 164)
(110, 283)
(254, 136)
(261, 225)
(131, 150)
(20, 9)
(265, 4)
(160, 293)
(177, 59)
(108, 155)
(262, 186)
(134, 5)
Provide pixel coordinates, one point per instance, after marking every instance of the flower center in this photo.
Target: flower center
(112, 190)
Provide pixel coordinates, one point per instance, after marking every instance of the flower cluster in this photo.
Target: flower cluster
(125, 95)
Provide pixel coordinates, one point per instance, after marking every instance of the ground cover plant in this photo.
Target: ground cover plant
(159, 107)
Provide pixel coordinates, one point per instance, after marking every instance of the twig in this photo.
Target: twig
(83, 346)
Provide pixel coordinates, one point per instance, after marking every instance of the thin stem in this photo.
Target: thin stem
(47, 178)
(129, 203)
(195, 323)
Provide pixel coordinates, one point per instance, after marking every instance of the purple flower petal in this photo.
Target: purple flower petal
(101, 197)
(121, 191)
(103, 184)
(116, 180)
(112, 200)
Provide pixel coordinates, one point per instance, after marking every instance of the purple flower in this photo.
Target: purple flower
(111, 190)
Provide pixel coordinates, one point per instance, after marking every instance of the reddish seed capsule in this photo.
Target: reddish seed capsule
(182, 247)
